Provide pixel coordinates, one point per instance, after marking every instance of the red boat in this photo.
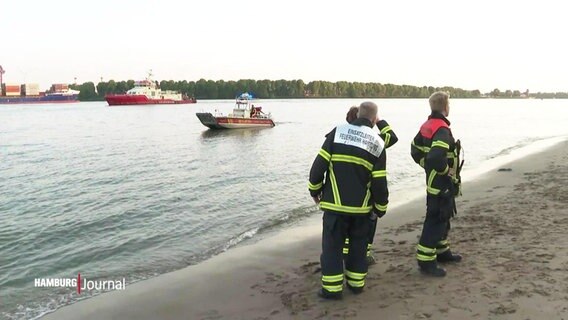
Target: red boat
(146, 92)
(245, 115)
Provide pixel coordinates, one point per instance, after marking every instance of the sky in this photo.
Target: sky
(468, 44)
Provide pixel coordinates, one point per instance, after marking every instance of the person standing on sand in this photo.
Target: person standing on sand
(353, 161)
(434, 149)
(390, 138)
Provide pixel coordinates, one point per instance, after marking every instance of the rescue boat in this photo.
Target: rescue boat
(245, 115)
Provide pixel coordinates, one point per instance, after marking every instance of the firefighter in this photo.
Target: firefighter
(390, 138)
(435, 149)
(352, 161)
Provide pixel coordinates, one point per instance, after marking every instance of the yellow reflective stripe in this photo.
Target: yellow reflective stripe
(369, 246)
(381, 207)
(352, 159)
(450, 155)
(346, 209)
(367, 198)
(441, 144)
(445, 171)
(422, 257)
(387, 139)
(334, 188)
(324, 154)
(425, 249)
(379, 173)
(315, 186)
(356, 284)
(422, 162)
(355, 275)
(433, 191)
(442, 250)
(345, 250)
(346, 240)
(385, 129)
(444, 243)
(334, 278)
(421, 148)
(336, 288)
(429, 187)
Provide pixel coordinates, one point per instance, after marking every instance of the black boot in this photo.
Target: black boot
(354, 290)
(431, 269)
(329, 295)
(448, 256)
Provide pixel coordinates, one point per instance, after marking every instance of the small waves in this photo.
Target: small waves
(137, 192)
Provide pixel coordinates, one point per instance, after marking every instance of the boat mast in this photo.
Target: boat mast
(1, 73)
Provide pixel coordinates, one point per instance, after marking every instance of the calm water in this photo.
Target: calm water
(138, 191)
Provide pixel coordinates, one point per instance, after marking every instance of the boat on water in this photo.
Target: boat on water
(245, 115)
(29, 93)
(147, 92)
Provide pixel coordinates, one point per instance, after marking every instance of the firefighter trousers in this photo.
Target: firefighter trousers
(336, 228)
(370, 238)
(434, 238)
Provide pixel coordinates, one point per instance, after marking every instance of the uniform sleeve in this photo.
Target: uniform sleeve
(418, 150)
(320, 165)
(379, 189)
(388, 135)
(437, 157)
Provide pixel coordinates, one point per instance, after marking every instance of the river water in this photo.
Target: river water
(133, 192)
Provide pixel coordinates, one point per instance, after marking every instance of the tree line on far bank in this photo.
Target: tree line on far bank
(268, 89)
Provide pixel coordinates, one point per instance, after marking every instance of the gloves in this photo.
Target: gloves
(378, 213)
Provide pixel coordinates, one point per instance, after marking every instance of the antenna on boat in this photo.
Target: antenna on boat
(1, 73)
(150, 74)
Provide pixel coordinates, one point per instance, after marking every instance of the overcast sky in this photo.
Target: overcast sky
(469, 44)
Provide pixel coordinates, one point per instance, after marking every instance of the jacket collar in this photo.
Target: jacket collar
(438, 115)
(362, 122)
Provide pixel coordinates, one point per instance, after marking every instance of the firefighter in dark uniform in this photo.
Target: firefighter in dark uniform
(390, 138)
(434, 149)
(353, 162)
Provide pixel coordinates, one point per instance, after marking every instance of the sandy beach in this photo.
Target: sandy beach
(511, 229)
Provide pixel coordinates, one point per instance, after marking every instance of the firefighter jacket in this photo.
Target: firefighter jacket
(388, 136)
(434, 149)
(349, 171)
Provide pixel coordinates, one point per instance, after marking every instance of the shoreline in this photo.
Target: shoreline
(278, 278)
(317, 98)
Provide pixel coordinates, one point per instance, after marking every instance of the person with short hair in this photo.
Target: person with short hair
(348, 181)
(434, 149)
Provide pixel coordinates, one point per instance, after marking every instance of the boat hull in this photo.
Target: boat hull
(39, 99)
(125, 100)
(212, 122)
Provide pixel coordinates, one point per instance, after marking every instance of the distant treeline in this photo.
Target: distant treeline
(267, 89)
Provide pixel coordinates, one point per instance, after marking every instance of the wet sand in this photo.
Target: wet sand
(511, 229)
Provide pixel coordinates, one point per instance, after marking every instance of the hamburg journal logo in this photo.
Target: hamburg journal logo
(80, 283)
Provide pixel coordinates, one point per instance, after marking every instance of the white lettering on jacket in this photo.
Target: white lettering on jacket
(361, 137)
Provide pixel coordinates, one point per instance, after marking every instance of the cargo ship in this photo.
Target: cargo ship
(245, 115)
(29, 93)
(147, 92)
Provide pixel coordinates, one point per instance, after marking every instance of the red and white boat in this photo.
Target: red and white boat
(245, 115)
(147, 92)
